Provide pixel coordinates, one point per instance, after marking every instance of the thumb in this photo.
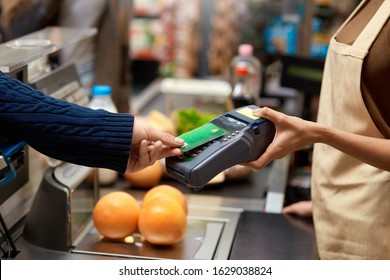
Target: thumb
(267, 113)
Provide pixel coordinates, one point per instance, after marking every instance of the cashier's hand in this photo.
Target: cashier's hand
(149, 144)
(292, 133)
(300, 208)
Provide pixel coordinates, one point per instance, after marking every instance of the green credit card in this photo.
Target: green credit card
(200, 136)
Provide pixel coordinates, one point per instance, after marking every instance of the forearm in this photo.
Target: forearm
(103, 141)
(64, 130)
(374, 151)
(98, 141)
(295, 133)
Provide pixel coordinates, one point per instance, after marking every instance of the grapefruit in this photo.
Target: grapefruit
(147, 177)
(116, 214)
(162, 221)
(166, 190)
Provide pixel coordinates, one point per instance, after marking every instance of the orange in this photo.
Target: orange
(116, 215)
(166, 190)
(147, 177)
(162, 221)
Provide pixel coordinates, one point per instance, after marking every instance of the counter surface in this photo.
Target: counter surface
(264, 236)
(259, 236)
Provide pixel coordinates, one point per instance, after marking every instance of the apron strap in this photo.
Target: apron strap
(372, 29)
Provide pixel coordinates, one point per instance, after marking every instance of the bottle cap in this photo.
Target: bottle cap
(245, 49)
(101, 90)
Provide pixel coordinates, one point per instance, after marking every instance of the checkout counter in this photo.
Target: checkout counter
(226, 221)
(231, 220)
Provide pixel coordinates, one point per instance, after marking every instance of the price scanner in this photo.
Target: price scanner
(232, 138)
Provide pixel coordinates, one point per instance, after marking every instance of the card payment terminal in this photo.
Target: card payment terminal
(239, 137)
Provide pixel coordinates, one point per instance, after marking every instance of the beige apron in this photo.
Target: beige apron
(351, 199)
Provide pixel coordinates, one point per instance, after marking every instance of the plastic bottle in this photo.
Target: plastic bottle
(101, 99)
(241, 93)
(248, 83)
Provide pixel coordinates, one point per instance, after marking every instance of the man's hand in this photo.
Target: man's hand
(149, 144)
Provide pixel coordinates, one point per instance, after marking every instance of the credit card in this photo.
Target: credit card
(200, 136)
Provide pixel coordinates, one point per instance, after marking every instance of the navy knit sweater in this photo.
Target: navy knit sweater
(64, 130)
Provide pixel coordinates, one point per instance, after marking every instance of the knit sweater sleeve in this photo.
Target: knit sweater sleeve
(64, 130)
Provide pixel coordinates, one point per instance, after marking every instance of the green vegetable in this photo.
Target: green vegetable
(189, 119)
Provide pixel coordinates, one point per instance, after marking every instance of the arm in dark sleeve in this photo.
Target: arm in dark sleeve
(64, 130)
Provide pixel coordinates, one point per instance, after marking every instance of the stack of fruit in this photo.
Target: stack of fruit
(161, 220)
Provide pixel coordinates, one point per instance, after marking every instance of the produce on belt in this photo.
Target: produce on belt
(166, 190)
(189, 119)
(147, 177)
(238, 172)
(158, 120)
(162, 221)
(116, 214)
(219, 178)
(105, 176)
(163, 218)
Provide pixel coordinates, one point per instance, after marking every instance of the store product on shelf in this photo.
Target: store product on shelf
(241, 93)
(245, 77)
